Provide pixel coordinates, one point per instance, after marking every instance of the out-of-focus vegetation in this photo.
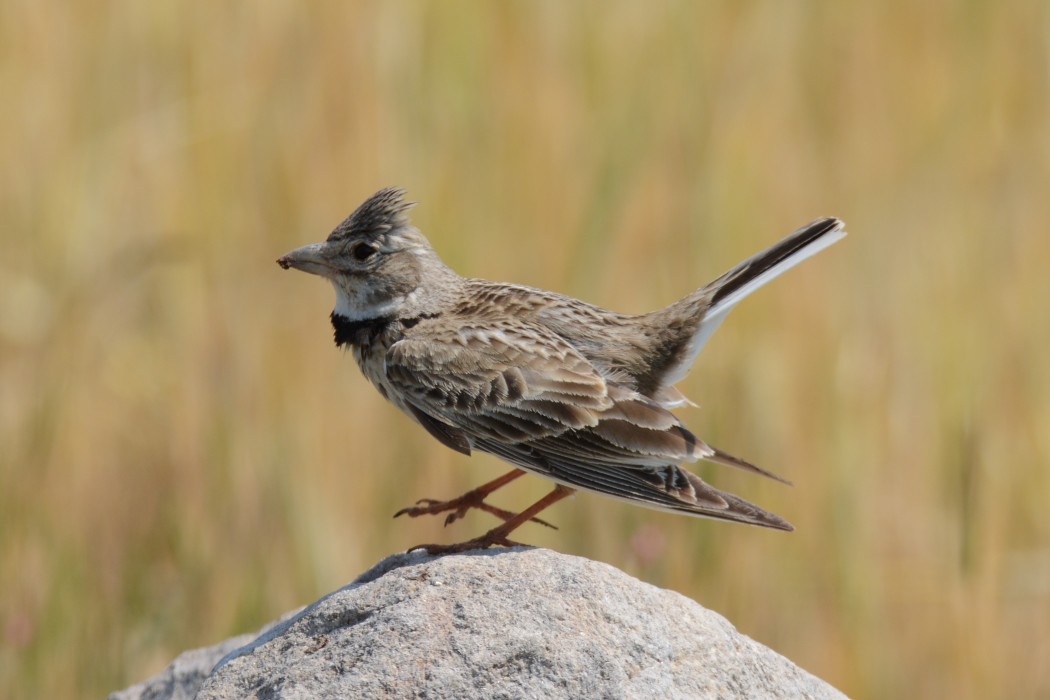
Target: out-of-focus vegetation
(184, 455)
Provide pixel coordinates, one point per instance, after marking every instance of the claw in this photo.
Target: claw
(471, 499)
(432, 506)
(497, 536)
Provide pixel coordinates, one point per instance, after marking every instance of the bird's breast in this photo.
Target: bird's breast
(371, 359)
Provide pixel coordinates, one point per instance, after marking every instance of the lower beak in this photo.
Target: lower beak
(309, 258)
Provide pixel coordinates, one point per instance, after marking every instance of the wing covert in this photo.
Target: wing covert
(512, 383)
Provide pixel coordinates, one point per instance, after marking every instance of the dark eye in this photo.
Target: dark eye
(363, 251)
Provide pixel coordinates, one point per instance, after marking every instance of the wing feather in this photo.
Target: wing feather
(525, 394)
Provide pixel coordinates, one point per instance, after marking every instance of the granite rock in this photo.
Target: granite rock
(512, 623)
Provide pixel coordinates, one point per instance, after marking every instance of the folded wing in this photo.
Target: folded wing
(522, 393)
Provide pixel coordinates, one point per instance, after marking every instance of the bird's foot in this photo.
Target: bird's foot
(497, 536)
(459, 507)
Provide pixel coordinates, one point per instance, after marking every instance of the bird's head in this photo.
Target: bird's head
(379, 264)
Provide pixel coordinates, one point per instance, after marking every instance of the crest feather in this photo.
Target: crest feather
(384, 211)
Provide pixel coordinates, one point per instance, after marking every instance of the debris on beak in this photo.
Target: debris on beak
(310, 258)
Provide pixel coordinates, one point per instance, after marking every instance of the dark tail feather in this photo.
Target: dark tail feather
(759, 269)
(736, 510)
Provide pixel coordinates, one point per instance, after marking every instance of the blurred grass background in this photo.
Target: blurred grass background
(184, 455)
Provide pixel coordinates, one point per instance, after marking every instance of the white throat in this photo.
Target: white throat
(353, 310)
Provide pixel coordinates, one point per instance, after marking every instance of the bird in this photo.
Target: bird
(555, 386)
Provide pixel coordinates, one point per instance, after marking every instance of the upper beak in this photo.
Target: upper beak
(310, 258)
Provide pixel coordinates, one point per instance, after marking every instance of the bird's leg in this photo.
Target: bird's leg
(474, 498)
(497, 536)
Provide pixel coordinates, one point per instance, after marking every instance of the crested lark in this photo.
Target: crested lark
(553, 385)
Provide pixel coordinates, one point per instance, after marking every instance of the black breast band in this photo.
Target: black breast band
(347, 331)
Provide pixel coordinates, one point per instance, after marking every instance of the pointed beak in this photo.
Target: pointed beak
(310, 258)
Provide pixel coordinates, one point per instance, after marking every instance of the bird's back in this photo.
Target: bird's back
(630, 349)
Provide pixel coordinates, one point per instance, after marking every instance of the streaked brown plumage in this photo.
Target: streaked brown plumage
(551, 384)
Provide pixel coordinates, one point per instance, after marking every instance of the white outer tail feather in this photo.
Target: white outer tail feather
(718, 311)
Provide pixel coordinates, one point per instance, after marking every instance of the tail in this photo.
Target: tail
(759, 269)
(720, 296)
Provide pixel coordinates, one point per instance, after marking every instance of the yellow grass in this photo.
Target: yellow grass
(184, 455)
